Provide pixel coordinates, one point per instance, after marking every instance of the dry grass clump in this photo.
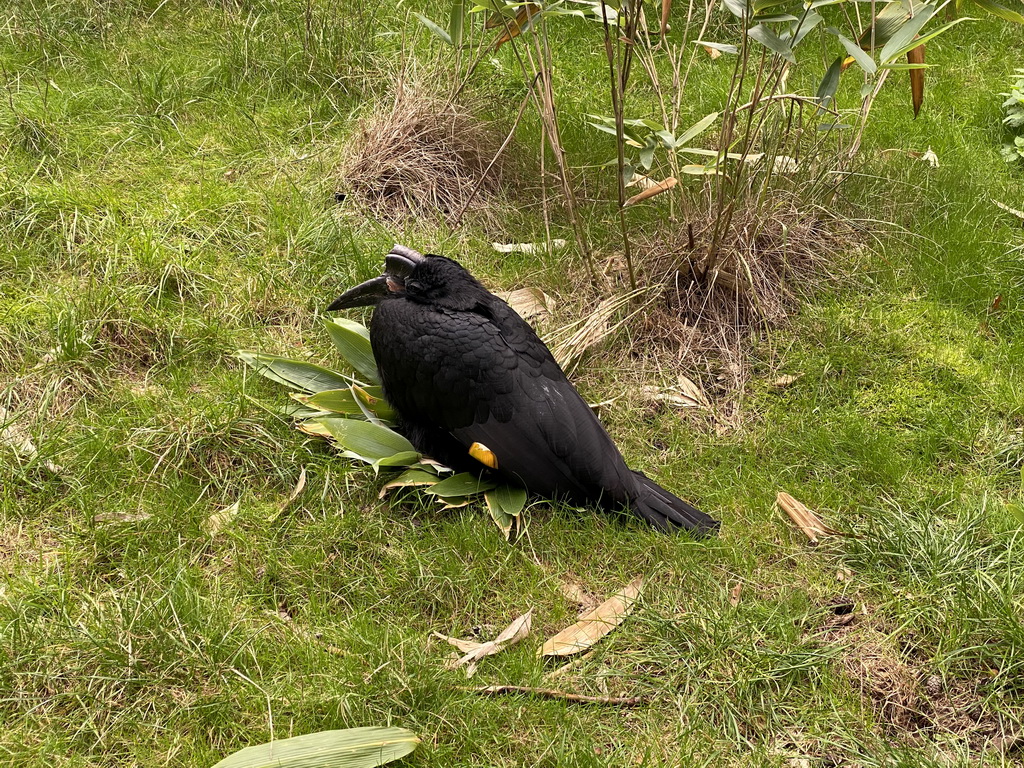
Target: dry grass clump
(771, 255)
(423, 156)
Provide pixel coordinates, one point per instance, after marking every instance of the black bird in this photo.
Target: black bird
(474, 386)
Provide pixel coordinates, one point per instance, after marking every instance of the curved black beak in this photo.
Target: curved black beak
(362, 295)
(398, 265)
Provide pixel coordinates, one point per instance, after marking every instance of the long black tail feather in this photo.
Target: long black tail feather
(665, 511)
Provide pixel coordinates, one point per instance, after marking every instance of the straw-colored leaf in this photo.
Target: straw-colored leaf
(594, 625)
(656, 189)
(529, 302)
(570, 343)
(463, 645)
(556, 244)
(300, 486)
(409, 479)
(216, 522)
(18, 439)
(804, 518)
(786, 379)
(511, 635)
(349, 748)
(734, 594)
(121, 517)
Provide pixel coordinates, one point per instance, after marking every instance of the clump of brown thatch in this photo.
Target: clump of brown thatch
(768, 257)
(424, 155)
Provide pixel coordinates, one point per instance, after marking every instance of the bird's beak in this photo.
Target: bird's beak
(398, 265)
(363, 295)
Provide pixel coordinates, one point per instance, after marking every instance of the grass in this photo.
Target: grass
(167, 197)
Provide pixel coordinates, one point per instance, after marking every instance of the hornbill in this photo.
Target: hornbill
(475, 387)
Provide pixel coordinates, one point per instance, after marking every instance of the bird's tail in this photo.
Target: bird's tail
(665, 511)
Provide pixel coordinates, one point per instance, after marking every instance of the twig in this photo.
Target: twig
(551, 693)
(483, 177)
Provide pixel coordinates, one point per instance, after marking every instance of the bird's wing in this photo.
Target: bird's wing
(487, 378)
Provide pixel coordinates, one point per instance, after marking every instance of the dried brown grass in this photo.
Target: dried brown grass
(423, 156)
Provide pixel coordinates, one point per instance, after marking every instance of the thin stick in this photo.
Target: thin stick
(551, 693)
(483, 177)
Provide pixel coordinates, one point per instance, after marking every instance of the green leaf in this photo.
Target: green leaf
(463, 484)
(800, 28)
(772, 42)
(336, 401)
(434, 28)
(293, 373)
(997, 9)
(723, 47)
(905, 34)
(830, 83)
(647, 153)
(350, 748)
(373, 400)
(352, 340)
(507, 499)
(365, 440)
(925, 38)
(409, 479)
(1017, 510)
(862, 57)
(697, 128)
(403, 459)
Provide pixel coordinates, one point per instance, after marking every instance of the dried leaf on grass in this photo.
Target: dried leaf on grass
(551, 693)
(570, 343)
(734, 594)
(557, 244)
(17, 438)
(473, 651)
(1008, 209)
(215, 523)
(804, 518)
(786, 380)
(649, 192)
(686, 394)
(121, 517)
(529, 302)
(594, 625)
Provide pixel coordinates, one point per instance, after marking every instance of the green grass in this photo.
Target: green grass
(166, 198)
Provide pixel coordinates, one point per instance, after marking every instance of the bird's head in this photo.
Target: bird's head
(412, 276)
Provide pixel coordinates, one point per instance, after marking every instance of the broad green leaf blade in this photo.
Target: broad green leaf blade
(403, 459)
(293, 373)
(336, 401)
(437, 30)
(697, 128)
(409, 479)
(350, 748)
(508, 499)
(830, 83)
(800, 28)
(723, 47)
(862, 57)
(1000, 10)
(373, 400)
(353, 342)
(927, 38)
(887, 23)
(772, 42)
(893, 48)
(462, 484)
(366, 441)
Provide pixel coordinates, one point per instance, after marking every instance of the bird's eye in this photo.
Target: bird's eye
(414, 285)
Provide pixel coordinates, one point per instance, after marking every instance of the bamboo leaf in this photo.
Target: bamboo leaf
(336, 401)
(1000, 10)
(697, 128)
(830, 83)
(771, 41)
(437, 30)
(350, 748)
(916, 56)
(409, 479)
(456, 21)
(293, 373)
(505, 503)
(463, 484)
(892, 49)
(595, 624)
(859, 55)
(352, 340)
(364, 440)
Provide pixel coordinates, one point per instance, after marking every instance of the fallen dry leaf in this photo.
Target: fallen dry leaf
(594, 625)
(805, 519)
(787, 379)
(649, 192)
(734, 594)
(931, 158)
(474, 651)
(557, 244)
(215, 523)
(1008, 209)
(714, 53)
(121, 517)
(529, 303)
(15, 436)
(300, 486)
